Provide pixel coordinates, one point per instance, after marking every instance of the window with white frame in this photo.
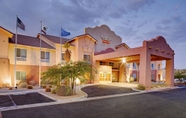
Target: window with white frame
(63, 56)
(111, 64)
(20, 75)
(86, 58)
(21, 54)
(45, 56)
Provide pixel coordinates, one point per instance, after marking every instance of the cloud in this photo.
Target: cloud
(136, 5)
(166, 21)
(142, 24)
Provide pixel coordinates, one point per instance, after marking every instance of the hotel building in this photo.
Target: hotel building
(115, 61)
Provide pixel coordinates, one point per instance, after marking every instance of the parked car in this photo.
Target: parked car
(180, 81)
(183, 80)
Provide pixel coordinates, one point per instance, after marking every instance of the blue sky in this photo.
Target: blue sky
(133, 20)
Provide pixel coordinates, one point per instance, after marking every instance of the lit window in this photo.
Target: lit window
(45, 56)
(20, 75)
(21, 54)
(87, 58)
(111, 64)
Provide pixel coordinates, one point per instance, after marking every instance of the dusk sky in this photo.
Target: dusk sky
(133, 20)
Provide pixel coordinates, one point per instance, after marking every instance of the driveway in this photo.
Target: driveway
(102, 90)
(164, 104)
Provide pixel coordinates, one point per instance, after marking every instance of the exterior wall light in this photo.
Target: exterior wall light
(123, 60)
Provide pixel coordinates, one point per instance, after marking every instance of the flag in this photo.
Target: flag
(20, 24)
(64, 33)
(43, 29)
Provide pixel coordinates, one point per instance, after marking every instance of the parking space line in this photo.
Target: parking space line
(12, 100)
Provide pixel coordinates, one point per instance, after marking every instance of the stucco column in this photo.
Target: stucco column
(145, 70)
(122, 72)
(169, 78)
(137, 77)
(95, 65)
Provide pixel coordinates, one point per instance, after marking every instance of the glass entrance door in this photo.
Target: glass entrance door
(104, 76)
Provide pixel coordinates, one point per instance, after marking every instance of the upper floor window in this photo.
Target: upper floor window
(111, 64)
(134, 65)
(21, 54)
(45, 56)
(86, 58)
(102, 63)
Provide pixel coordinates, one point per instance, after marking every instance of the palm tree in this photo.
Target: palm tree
(67, 55)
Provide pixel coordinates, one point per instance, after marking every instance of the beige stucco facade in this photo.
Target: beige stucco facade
(5, 78)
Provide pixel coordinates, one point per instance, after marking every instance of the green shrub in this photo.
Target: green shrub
(10, 88)
(64, 91)
(44, 86)
(53, 91)
(131, 79)
(23, 85)
(48, 90)
(141, 87)
(29, 87)
(22, 81)
(32, 82)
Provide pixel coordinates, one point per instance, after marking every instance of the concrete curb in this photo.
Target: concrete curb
(19, 92)
(57, 101)
(160, 89)
(47, 96)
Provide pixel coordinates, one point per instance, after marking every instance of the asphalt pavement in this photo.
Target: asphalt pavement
(163, 104)
(103, 90)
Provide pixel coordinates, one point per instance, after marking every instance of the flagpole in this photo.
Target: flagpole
(40, 57)
(60, 51)
(15, 55)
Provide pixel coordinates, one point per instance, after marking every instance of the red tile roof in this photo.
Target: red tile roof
(108, 50)
(30, 41)
(54, 39)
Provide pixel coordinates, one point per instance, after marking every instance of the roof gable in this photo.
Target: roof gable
(30, 41)
(122, 45)
(83, 35)
(9, 33)
(54, 39)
